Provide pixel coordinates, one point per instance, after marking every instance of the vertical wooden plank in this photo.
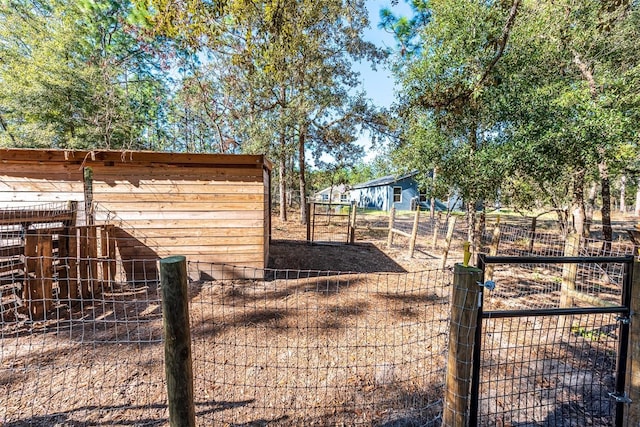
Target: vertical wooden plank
(44, 272)
(414, 232)
(29, 291)
(73, 263)
(392, 219)
(464, 317)
(67, 253)
(177, 339)
(84, 262)
(63, 264)
(103, 256)
(111, 252)
(447, 244)
(633, 358)
(94, 277)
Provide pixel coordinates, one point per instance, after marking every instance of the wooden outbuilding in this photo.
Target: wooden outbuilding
(208, 207)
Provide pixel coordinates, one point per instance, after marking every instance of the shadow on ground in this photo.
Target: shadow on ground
(359, 257)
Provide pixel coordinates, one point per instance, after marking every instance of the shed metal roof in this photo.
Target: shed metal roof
(385, 180)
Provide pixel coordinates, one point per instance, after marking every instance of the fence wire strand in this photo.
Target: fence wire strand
(326, 348)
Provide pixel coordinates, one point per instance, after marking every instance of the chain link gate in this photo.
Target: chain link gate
(551, 342)
(330, 223)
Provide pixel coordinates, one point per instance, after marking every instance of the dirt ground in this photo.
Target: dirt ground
(369, 254)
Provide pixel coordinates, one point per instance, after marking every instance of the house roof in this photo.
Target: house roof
(385, 180)
(336, 189)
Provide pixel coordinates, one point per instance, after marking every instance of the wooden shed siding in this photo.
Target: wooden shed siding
(227, 198)
(207, 207)
(43, 185)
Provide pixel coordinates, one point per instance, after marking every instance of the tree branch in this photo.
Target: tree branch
(502, 42)
(501, 46)
(587, 74)
(3, 124)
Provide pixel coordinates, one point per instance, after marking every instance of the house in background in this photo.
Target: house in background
(401, 192)
(333, 194)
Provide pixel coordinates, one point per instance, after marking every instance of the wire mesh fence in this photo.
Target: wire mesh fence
(536, 371)
(286, 347)
(81, 336)
(90, 359)
(549, 348)
(330, 222)
(320, 348)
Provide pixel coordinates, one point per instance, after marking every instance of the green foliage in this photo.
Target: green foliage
(72, 77)
(524, 99)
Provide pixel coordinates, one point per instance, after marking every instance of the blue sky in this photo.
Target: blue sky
(378, 84)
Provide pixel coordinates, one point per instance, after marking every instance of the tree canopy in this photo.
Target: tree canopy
(529, 102)
(533, 104)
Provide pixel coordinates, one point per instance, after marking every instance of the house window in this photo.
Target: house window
(343, 197)
(397, 194)
(422, 193)
(325, 197)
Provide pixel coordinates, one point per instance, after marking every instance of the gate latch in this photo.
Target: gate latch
(620, 398)
(623, 319)
(488, 285)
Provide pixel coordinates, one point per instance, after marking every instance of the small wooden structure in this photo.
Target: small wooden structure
(42, 251)
(135, 206)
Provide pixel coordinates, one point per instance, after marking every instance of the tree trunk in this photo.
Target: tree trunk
(563, 221)
(623, 193)
(577, 204)
(590, 207)
(302, 179)
(4, 127)
(607, 231)
(282, 184)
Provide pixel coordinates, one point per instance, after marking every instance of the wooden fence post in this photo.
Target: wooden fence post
(392, 219)
(88, 196)
(38, 290)
(352, 230)
(310, 207)
(447, 245)
(414, 232)
(73, 263)
(493, 250)
(633, 358)
(436, 226)
(464, 317)
(532, 236)
(177, 341)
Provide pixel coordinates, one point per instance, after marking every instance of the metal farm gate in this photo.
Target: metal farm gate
(551, 341)
(331, 223)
